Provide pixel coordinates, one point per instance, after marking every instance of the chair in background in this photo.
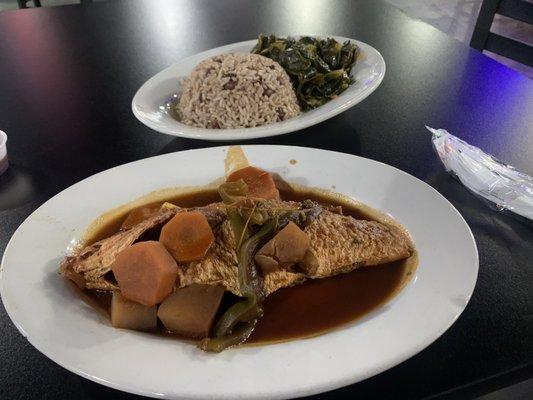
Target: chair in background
(37, 3)
(24, 3)
(484, 39)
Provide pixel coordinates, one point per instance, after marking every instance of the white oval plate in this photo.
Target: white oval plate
(59, 324)
(149, 102)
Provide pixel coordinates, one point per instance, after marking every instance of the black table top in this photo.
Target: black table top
(67, 77)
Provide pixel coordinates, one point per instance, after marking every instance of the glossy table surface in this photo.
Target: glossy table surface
(67, 77)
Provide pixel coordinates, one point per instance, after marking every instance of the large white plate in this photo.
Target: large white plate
(49, 313)
(149, 102)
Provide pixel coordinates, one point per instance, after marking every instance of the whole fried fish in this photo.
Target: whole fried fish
(339, 244)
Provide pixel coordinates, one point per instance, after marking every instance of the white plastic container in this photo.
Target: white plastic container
(3, 153)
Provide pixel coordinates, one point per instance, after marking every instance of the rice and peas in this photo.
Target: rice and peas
(237, 90)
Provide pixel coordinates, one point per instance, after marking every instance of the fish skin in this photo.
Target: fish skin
(280, 279)
(341, 243)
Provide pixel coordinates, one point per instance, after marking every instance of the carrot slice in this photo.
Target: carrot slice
(145, 272)
(260, 183)
(187, 236)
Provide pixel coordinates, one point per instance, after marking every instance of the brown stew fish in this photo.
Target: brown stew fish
(255, 261)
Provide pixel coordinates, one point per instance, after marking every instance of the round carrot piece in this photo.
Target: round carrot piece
(187, 236)
(260, 183)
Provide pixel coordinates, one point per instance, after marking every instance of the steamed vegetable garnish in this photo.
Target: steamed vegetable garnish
(239, 227)
(243, 311)
(319, 68)
(237, 323)
(210, 275)
(243, 316)
(236, 337)
(231, 192)
(248, 277)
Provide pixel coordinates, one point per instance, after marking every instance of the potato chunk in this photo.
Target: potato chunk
(260, 183)
(187, 236)
(284, 250)
(145, 272)
(190, 311)
(131, 315)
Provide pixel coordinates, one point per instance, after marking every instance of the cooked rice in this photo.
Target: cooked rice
(237, 91)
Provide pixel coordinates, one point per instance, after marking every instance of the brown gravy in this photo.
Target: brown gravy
(320, 305)
(316, 306)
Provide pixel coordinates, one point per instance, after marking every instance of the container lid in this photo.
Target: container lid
(3, 139)
(3, 152)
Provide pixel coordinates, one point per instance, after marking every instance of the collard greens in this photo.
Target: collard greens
(319, 68)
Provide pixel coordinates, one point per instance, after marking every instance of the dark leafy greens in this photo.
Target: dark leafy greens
(319, 68)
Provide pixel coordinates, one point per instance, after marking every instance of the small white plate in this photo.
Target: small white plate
(50, 314)
(149, 103)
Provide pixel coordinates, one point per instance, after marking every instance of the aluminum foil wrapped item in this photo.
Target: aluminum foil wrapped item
(501, 185)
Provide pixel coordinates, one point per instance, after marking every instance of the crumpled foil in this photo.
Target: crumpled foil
(499, 184)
